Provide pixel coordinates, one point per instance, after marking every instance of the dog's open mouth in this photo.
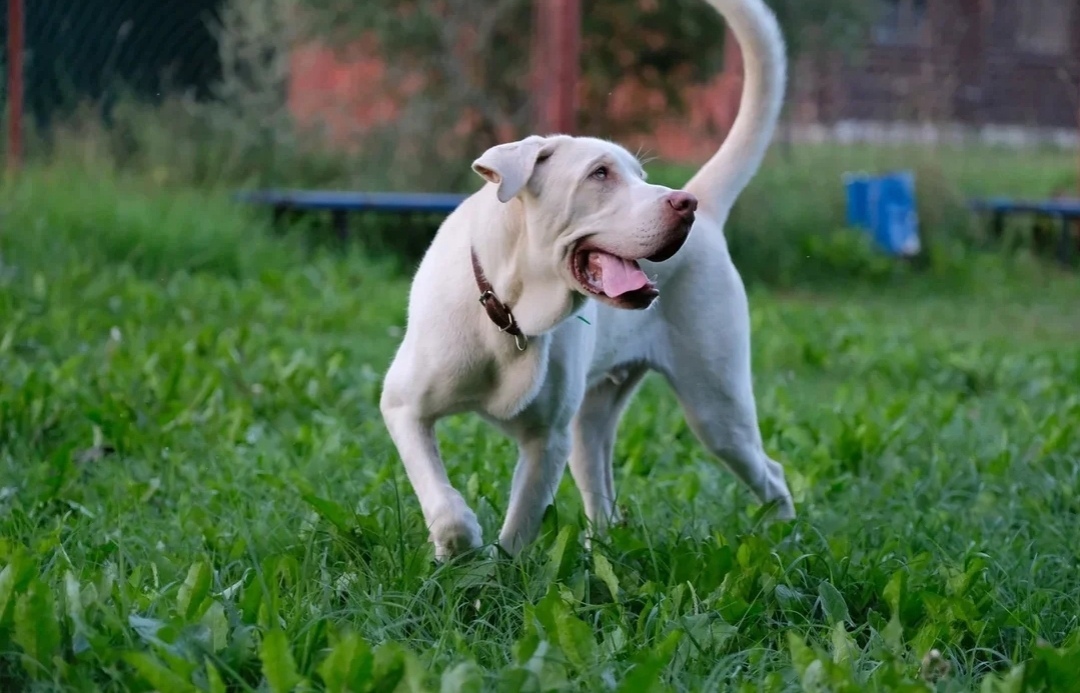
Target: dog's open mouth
(616, 280)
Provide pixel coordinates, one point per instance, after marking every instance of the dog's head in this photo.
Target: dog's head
(589, 214)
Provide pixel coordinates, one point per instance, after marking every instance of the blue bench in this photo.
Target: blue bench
(341, 203)
(1062, 211)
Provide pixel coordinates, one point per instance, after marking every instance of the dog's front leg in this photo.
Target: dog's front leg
(543, 434)
(542, 460)
(450, 520)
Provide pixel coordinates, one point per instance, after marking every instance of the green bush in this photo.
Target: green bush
(67, 213)
(788, 226)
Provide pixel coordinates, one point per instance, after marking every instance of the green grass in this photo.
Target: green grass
(197, 492)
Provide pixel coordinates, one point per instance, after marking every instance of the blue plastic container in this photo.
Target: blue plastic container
(857, 187)
(884, 206)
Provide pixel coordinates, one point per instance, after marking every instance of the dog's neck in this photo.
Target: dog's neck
(537, 296)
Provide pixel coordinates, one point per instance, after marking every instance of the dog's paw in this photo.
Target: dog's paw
(454, 530)
(599, 527)
(783, 509)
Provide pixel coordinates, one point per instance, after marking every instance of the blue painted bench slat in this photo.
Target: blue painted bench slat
(436, 203)
(1063, 210)
(1005, 205)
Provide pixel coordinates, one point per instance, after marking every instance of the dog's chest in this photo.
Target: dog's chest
(515, 380)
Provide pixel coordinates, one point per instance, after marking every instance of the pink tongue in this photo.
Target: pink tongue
(618, 276)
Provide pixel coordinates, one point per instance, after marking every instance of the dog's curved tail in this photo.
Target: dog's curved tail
(723, 177)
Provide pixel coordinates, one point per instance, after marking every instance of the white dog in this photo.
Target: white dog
(566, 228)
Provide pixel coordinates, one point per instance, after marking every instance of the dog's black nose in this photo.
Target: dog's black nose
(683, 203)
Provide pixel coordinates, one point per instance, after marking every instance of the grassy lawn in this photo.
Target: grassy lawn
(197, 492)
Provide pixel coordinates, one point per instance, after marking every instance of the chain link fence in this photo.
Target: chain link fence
(101, 50)
(321, 92)
(357, 93)
(188, 91)
(265, 92)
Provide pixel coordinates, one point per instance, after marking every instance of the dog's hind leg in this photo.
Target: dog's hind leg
(595, 427)
(709, 369)
(720, 412)
(728, 428)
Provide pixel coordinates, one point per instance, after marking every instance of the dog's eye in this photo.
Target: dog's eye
(600, 173)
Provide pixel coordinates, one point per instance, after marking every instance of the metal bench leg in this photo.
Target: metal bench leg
(1065, 242)
(997, 226)
(279, 215)
(341, 223)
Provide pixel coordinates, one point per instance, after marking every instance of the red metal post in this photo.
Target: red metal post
(539, 75)
(556, 64)
(15, 84)
(569, 64)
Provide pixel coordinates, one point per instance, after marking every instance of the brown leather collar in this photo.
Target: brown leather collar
(498, 311)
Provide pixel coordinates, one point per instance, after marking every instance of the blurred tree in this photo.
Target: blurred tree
(667, 45)
(474, 54)
(472, 59)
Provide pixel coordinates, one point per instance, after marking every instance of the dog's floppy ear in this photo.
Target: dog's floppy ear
(510, 166)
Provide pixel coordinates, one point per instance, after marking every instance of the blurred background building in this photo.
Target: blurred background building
(963, 62)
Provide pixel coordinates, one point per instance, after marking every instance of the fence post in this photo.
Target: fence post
(569, 64)
(15, 85)
(556, 51)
